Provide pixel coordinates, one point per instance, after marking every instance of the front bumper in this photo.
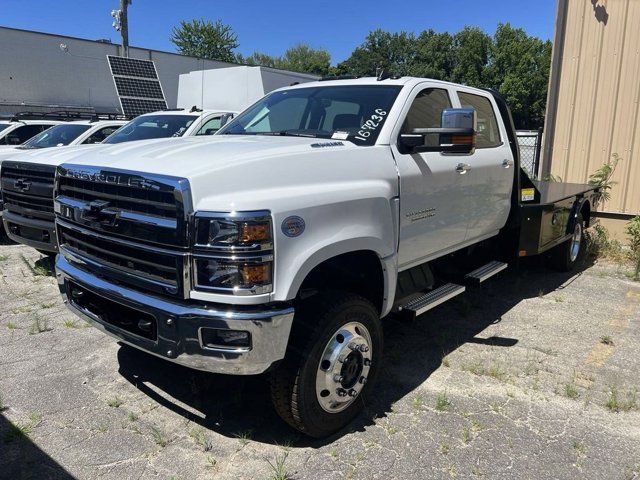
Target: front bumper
(39, 234)
(179, 325)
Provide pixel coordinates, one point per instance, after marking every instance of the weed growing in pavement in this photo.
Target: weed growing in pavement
(442, 402)
(12, 325)
(615, 402)
(244, 437)
(570, 390)
(600, 245)
(41, 268)
(211, 461)
(200, 437)
(633, 231)
(4, 258)
(466, 435)
(333, 453)
(132, 417)
(477, 368)
(159, 437)
(115, 402)
(71, 323)
(39, 326)
(444, 448)
(278, 467)
(579, 448)
(606, 340)
(418, 401)
(24, 428)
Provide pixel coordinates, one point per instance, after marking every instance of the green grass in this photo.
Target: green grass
(466, 435)
(159, 437)
(418, 401)
(200, 437)
(39, 325)
(244, 437)
(115, 402)
(606, 340)
(579, 448)
(4, 258)
(12, 325)
(41, 268)
(71, 323)
(24, 428)
(211, 461)
(278, 468)
(132, 417)
(442, 402)
(570, 390)
(46, 305)
(493, 371)
(444, 448)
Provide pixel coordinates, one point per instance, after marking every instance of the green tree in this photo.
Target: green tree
(433, 55)
(394, 52)
(470, 54)
(204, 39)
(519, 67)
(299, 58)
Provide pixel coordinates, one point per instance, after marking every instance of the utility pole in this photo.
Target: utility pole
(121, 24)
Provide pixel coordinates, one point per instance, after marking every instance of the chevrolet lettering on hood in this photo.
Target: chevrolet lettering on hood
(111, 178)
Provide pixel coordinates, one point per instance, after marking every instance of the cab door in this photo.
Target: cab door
(491, 168)
(434, 205)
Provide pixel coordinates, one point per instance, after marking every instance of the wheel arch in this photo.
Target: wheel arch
(354, 266)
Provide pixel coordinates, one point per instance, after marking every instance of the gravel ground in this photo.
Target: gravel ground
(533, 376)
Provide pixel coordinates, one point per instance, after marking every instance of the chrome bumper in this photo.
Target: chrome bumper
(178, 325)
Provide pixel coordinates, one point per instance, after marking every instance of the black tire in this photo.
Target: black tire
(564, 258)
(293, 383)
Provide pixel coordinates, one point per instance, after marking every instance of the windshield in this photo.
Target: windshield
(3, 126)
(56, 136)
(147, 127)
(354, 113)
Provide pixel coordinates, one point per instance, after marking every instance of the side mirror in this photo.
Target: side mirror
(456, 135)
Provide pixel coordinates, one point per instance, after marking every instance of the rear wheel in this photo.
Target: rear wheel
(568, 254)
(331, 366)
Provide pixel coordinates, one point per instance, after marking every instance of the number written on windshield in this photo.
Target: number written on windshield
(371, 125)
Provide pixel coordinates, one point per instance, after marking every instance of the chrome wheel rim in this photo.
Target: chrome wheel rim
(344, 367)
(576, 241)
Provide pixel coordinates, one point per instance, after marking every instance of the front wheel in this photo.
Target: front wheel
(567, 255)
(332, 363)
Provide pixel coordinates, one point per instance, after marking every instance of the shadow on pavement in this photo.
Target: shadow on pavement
(20, 458)
(233, 406)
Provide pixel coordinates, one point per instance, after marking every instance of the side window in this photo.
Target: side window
(426, 112)
(210, 127)
(488, 134)
(99, 135)
(24, 133)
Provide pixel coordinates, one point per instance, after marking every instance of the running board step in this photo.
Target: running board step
(432, 299)
(481, 274)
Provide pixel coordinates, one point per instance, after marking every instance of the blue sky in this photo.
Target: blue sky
(273, 26)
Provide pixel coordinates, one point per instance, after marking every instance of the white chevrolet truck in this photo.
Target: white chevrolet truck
(281, 243)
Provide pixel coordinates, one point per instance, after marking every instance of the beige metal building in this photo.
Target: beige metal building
(593, 108)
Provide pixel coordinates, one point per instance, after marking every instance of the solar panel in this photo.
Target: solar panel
(137, 85)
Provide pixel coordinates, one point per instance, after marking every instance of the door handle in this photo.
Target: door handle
(463, 168)
(507, 163)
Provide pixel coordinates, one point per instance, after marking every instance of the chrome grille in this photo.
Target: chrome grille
(130, 228)
(27, 189)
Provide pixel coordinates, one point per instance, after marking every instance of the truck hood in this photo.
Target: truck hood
(229, 172)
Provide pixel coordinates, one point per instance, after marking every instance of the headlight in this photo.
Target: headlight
(232, 253)
(234, 232)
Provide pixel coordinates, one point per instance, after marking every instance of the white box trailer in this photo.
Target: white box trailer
(233, 88)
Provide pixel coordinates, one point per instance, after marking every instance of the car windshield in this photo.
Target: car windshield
(3, 126)
(56, 136)
(147, 127)
(350, 112)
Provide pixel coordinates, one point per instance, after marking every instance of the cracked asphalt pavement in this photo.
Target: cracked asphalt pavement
(534, 375)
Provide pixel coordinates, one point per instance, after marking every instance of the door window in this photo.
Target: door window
(210, 127)
(22, 134)
(99, 135)
(426, 112)
(488, 134)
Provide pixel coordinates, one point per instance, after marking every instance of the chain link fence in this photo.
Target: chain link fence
(530, 143)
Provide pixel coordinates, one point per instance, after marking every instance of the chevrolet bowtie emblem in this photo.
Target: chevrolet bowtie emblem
(22, 185)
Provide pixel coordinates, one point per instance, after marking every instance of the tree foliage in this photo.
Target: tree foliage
(204, 39)
(299, 58)
(512, 62)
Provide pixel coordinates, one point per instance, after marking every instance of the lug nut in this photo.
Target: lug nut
(353, 346)
(363, 380)
(364, 348)
(367, 362)
(341, 392)
(352, 393)
(342, 358)
(338, 378)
